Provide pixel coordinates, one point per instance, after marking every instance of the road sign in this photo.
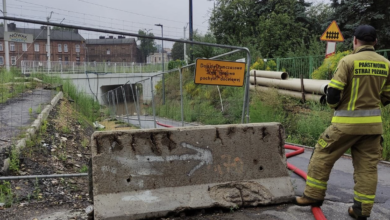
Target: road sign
(18, 37)
(216, 72)
(330, 49)
(332, 33)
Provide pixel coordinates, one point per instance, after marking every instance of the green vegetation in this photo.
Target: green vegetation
(11, 86)
(84, 103)
(83, 169)
(6, 195)
(326, 70)
(201, 103)
(39, 109)
(14, 160)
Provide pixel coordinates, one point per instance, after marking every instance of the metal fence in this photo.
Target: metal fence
(306, 65)
(66, 67)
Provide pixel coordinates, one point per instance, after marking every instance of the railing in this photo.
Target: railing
(305, 66)
(66, 67)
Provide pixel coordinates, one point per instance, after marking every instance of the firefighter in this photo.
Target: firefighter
(359, 88)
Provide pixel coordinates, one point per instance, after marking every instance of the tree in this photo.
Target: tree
(178, 51)
(272, 27)
(147, 45)
(351, 13)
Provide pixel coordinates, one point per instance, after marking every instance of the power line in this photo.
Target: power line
(45, 6)
(89, 24)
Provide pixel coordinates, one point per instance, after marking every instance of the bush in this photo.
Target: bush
(326, 70)
(173, 64)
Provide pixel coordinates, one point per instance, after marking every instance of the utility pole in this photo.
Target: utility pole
(185, 47)
(191, 29)
(6, 41)
(162, 56)
(48, 44)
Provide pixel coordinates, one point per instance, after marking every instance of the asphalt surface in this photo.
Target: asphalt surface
(15, 113)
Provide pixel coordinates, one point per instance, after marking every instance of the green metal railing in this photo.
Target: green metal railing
(305, 66)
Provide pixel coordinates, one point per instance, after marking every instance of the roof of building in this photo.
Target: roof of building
(111, 41)
(41, 34)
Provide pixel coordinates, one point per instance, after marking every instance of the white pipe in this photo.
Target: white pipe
(298, 95)
(311, 86)
(269, 74)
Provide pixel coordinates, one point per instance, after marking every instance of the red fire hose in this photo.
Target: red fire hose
(317, 212)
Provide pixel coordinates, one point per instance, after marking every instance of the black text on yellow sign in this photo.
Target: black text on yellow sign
(216, 72)
(364, 68)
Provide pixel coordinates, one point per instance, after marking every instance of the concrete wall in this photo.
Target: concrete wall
(93, 84)
(148, 173)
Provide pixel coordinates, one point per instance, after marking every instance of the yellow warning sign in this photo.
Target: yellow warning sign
(216, 72)
(332, 33)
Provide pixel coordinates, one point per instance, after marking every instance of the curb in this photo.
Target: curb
(35, 126)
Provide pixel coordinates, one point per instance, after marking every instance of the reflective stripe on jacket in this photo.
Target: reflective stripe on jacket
(364, 79)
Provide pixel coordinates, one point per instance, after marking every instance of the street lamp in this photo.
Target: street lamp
(162, 58)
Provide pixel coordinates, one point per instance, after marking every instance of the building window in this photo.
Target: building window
(77, 48)
(59, 48)
(66, 59)
(65, 48)
(59, 58)
(108, 52)
(1, 46)
(1, 60)
(12, 46)
(13, 61)
(36, 47)
(24, 47)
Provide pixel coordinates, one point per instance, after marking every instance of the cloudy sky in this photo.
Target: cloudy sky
(124, 15)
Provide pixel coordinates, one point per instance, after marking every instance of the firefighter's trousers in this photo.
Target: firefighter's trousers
(366, 152)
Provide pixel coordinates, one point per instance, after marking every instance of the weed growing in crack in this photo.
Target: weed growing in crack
(44, 126)
(6, 195)
(83, 169)
(84, 143)
(14, 159)
(65, 130)
(39, 109)
(37, 190)
(30, 111)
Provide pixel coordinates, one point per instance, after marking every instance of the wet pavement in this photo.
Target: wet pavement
(19, 113)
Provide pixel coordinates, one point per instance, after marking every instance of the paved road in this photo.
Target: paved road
(15, 114)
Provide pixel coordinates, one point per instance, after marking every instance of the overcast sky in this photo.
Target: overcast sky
(123, 15)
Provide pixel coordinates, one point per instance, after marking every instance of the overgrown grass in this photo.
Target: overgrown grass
(83, 102)
(6, 195)
(11, 84)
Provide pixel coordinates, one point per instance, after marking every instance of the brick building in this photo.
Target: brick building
(113, 50)
(65, 45)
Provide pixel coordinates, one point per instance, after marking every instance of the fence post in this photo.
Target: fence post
(85, 67)
(73, 67)
(153, 107)
(127, 110)
(132, 66)
(138, 108)
(311, 66)
(115, 67)
(181, 97)
(277, 64)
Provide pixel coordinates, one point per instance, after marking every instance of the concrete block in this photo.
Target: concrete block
(148, 173)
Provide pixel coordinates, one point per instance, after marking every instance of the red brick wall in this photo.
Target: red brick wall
(33, 55)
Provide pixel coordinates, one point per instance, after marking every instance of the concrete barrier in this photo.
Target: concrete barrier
(149, 173)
